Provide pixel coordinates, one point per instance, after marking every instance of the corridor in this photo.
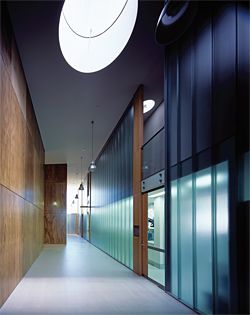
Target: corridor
(80, 279)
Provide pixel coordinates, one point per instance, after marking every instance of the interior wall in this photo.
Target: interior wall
(73, 223)
(207, 102)
(153, 149)
(21, 168)
(111, 227)
(154, 123)
(55, 214)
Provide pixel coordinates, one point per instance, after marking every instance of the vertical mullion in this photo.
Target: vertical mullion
(213, 182)
(178, 170)
(194, 168)
(168, 227)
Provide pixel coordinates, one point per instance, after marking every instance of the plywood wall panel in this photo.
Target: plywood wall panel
(21, 169)
(30, 116)
(6, 36)
(17, 78)
(55, 203)
(32, 233)
(5, 126)
(55, 196)
(29, 168)
(55, 227)
(55, 173)
(11, 207)
(17, 148)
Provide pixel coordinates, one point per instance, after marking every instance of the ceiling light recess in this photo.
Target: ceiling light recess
(148, 105)
(92, 34)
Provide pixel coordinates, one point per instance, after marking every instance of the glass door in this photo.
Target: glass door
(156, 236)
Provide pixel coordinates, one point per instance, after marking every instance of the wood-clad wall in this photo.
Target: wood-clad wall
(138, 245)
(21, 168)
(55, 204)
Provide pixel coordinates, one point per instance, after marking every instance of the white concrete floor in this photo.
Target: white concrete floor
(80, 279)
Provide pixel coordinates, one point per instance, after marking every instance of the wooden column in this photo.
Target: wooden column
(137, 166)
(55, 204)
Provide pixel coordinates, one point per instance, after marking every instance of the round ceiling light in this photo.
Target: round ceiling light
(148, 105)
(92, 34)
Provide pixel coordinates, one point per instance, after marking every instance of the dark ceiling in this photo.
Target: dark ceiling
(65, 100)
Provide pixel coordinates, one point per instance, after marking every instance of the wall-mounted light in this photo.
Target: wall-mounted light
(174, 20)
(92, 34)
(92, 166)
(148, 105)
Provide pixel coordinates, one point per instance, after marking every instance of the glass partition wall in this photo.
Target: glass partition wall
(199, 234)
(111, 226)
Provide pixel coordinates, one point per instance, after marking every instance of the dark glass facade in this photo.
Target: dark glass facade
(207, 140)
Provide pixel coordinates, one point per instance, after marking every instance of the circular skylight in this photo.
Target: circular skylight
(93, 33)
(148, 105)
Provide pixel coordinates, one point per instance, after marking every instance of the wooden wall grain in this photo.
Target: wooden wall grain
(55, 204)
(138, 246)
(21, 168)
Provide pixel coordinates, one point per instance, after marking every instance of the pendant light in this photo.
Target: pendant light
(76, 197)
(92, 166)
(81, 185)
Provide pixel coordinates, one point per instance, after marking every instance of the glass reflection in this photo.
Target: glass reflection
(222, 240)
(204, 241)
(186, 239)
(156, 236)
(111, 223)
(200, 239)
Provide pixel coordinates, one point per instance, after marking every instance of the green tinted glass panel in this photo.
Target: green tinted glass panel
(222, 239)
(111, 195)
(200, 239)
(204, 241)
(174, 239)
(186, 239)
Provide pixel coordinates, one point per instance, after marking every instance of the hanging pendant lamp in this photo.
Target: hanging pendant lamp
(81, 185)
(92, 166)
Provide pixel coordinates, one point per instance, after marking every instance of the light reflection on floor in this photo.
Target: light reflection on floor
(80, 279)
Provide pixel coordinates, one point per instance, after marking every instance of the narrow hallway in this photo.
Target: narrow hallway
(80, 279)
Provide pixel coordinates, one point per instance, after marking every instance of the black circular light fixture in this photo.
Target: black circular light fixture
(174, 20)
